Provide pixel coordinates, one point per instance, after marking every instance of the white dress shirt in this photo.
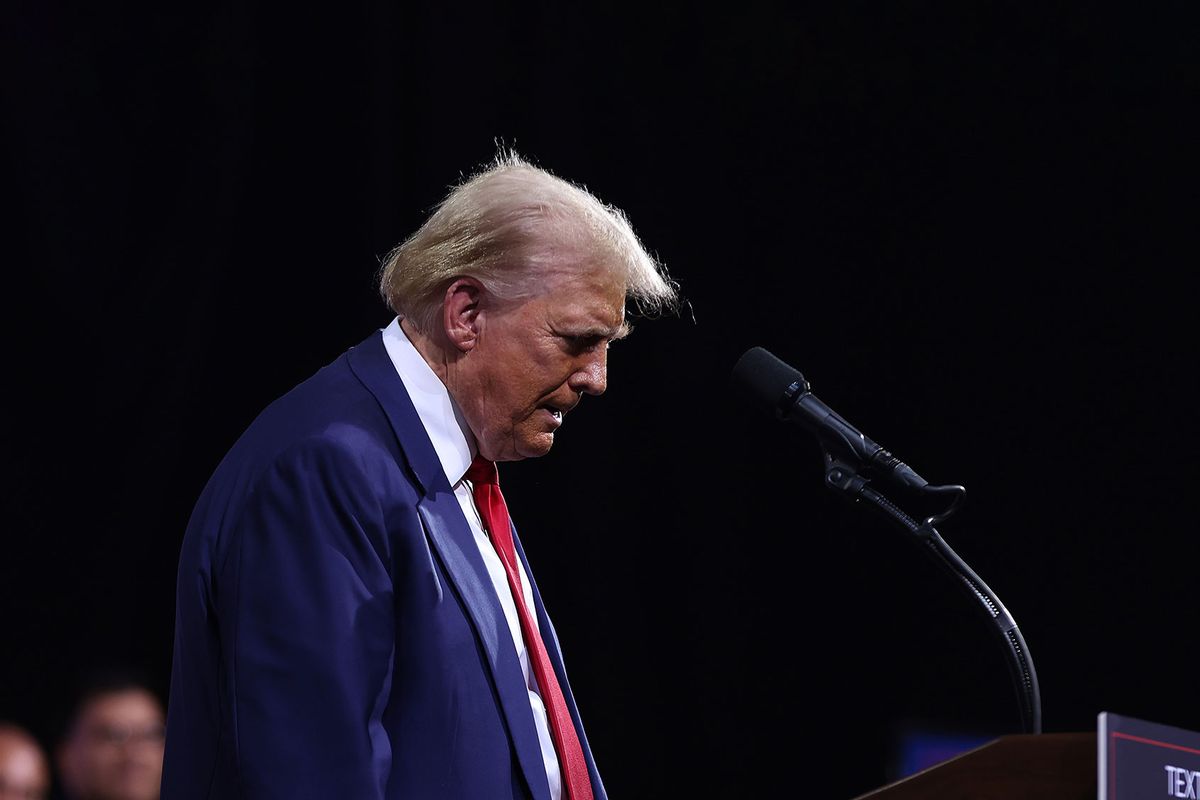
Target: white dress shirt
(455, 447)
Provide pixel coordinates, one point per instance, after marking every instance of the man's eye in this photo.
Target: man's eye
(582, 344)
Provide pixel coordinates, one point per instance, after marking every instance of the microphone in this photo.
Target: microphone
(777, 385)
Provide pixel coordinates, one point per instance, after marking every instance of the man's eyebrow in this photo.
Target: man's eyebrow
(613, 334)
(601, 332)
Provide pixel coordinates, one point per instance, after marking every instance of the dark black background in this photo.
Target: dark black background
(970, 224)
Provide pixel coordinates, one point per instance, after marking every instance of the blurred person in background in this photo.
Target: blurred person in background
(112, 748)
(24, 774)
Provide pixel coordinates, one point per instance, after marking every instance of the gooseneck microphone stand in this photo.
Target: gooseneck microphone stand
(845, 480)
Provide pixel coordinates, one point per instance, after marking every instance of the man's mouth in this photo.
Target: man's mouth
(554, 412)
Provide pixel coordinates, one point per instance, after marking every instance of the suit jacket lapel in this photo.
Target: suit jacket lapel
(454, 543)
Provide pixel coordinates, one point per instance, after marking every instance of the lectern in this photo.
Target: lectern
(1049, 766)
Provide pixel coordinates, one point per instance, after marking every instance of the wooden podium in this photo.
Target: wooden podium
(1048, 766)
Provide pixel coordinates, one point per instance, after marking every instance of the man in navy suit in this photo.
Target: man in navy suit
(354, 618)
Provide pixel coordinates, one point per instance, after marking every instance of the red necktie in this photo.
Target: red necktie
(485, 484)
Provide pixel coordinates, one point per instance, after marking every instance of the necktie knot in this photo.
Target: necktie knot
(483, 472)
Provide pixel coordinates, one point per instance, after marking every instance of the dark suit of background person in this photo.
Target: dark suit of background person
(337, 633)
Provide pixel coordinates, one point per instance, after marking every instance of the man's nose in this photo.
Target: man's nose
(592, 375)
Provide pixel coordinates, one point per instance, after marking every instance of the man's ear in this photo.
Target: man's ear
(460, 312)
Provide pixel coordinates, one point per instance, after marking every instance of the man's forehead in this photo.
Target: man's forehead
(603, 320)
(591, 303)
(15, 743)
(132, 702)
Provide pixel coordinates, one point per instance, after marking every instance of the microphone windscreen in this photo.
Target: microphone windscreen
(763, 377)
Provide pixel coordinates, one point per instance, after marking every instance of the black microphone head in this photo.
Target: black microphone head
(764, 378)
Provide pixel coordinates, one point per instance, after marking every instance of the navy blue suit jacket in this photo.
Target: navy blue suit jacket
(337, 633)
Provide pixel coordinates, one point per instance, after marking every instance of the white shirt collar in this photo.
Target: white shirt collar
(448, 431)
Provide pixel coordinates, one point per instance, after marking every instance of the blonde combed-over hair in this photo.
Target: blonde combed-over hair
(507, 227)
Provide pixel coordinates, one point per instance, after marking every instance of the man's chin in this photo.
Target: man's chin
(517, 446)
(536, 446)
